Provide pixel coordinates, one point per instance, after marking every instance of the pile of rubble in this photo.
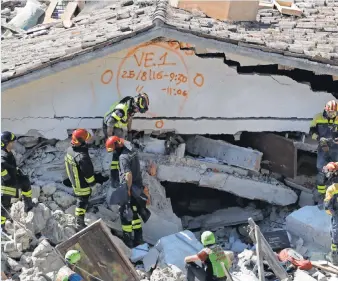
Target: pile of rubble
(32, 256)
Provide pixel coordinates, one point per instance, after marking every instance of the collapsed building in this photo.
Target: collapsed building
(230, 107)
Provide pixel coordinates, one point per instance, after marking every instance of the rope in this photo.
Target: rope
(53, 248)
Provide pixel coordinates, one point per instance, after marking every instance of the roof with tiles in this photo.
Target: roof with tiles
(313, 37)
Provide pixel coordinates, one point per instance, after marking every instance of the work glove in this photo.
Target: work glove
(323, 143)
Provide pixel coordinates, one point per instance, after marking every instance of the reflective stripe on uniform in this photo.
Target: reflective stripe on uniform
(80, 211)
(90, 180)
(27, 194)
(4, 173)
(134, 208)
(3, 220)
(122, 122)
(321, 189)
(74, 177)
(7, 190)
(136, 224)
(333, 247)
(114, 165)
(127, 228)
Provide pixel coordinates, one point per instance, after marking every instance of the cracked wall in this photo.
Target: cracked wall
(190, 94)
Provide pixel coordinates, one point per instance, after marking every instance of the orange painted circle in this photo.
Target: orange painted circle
(159, 124)
(200, 77)
(107, 74)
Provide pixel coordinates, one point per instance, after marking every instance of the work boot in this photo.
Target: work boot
(138, 239)
(79, 223)
(332, 257)
(28, 204)
(127, 239)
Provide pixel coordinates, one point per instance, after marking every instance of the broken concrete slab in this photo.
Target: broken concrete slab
(256, 188)
(311, 224)
(301, 275)
(158, 226)
(305, 199)
(150, 259)
(152, 145)
(139, 252)
(228, 153)
(174, 248)
(225, 217)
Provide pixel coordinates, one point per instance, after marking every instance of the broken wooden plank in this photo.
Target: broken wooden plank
(265, 5)
(269, 255)
(259, 254)
(49, 12)
(293, 10)
(325, 267)
(69, 11)
(101, 256)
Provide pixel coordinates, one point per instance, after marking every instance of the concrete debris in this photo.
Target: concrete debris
(152, 145)
(301, 275)
(139, 252)
(150, 259)
(225, 152)
(225, 217)
(36, 219)
(302, 224)
(45, 258)
(49, 189)
(36, 191)
(169, 273)
(63, 199)
(305, 199)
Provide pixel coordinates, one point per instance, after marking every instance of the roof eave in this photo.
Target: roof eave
(212, 42)
(115, 45)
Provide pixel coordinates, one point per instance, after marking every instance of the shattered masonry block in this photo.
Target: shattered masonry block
(311, 224)
(225, 152)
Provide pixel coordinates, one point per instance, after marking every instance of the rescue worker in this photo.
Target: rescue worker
(133, 200)
(67, 273)
(120, 115)
(331, 208)
(324, 128)
(12, 179)
(80, 172)
(213, 258)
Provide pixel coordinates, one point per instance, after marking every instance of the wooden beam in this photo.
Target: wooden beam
(259, 254)
(292, 10)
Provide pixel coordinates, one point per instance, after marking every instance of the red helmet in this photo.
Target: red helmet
(331, 106)
(331, 167)
(113, 142)
(80, 136)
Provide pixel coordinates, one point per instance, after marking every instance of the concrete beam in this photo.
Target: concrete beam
(225, 152)
(311, 224)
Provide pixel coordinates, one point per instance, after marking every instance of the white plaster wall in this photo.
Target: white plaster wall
(79, 96)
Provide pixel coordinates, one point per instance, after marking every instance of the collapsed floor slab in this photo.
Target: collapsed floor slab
(225, 152)
(311, 224)
(273, 192)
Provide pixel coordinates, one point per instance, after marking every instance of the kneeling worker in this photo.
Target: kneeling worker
(133, 200)
(80, 172)
(67, 273)
(213, 259)
(12, 179)
(331, 207)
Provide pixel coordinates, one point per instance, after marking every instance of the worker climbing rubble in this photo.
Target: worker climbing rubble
(130, 194)
(324, 129)
(12, 179)
(80, 171)
(118, 118)
(120, 115)
(215, 262)
(67, 273)
(331, 207)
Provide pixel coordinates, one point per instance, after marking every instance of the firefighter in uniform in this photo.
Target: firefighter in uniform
(119, 117)
(80, 171)
(12, 179)
(214, 261)
(133, 201)
(324, 128)
(67, 273)
(331, 207)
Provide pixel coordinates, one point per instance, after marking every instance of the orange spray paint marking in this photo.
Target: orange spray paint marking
(199, 80)
(107, 76)
(159, 124)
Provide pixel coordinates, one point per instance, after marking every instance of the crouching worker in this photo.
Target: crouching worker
(130, 194)
(12, 179)
(331, 207)
(67, 273)
(80, 172)
(213, 259)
